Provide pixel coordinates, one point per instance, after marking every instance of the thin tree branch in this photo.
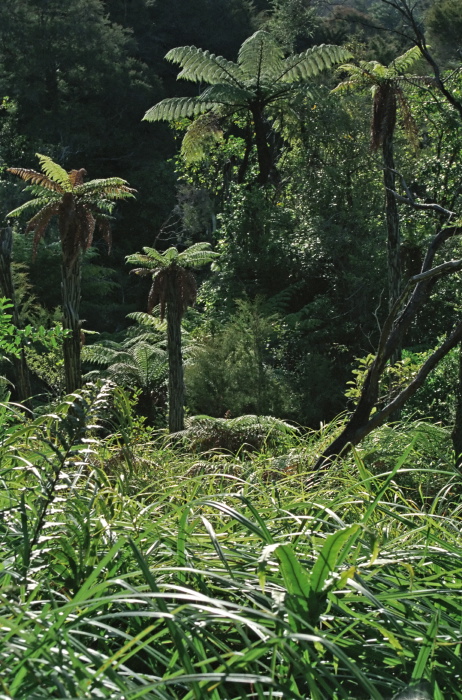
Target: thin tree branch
(416, 205)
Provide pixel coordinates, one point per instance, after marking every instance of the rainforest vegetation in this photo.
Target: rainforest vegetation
(230, 349)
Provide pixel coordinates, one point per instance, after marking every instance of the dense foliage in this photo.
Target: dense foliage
(242, 482)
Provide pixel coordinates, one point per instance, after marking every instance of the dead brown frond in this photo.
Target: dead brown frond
(187, 287)
(40, 222)
(76, 177)
(408, 121)
(36, 178)
(158, 291)
(383, 113)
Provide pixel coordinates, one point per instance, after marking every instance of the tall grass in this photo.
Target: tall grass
(180, 576)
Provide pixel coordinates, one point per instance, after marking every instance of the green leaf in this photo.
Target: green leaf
(55, 172)
(174, 108)
(260, 57)
(203, 66)
(328, 556)
(421, 665)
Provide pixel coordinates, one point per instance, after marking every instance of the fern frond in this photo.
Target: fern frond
(197, 255)
(202, 66)
(55, 172)
(101, 353)
(36, 178)
(76, 177)
(40, 222)
(114, 187)
(144, 271)
(226, 95)
(403, 63)
(201, 135)
(174, 108)
(147, 320)
(311, 62)
(31, 205)
(409, 123)
(260, 57)
(170, 255)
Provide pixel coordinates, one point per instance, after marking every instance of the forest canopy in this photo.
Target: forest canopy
(230, 348)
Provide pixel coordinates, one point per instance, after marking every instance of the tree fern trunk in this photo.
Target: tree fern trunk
(393, 233)
(71, 284)
(264, 156)
(175, 359)
(457, 429)
(23, 389)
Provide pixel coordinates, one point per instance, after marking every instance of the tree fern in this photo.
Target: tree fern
(174, 289)
(255, 83)
(80, 208)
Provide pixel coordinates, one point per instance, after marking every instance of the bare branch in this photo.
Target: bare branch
(417, 205)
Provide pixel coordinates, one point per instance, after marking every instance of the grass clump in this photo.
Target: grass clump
(149, 582)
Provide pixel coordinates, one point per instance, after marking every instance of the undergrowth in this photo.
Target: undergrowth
(133, 567)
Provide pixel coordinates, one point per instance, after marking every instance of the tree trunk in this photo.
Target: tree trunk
(362, 423)
(264, 156)
(393, 234)
(175, 358)
(23, 389)
(70, 286)
(457, 429)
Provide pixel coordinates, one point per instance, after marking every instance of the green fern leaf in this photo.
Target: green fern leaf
(203, 66)
(311, 62)
(55, 172)
(260, 57)
(197, 255)
(149, 320)
(403, 63)
(201, 135)
(31, 205)
(226, 95)
(170, 255)
(176, 108)
(113, 187)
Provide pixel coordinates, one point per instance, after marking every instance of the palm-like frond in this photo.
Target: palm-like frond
(36, 178)
(197, 255)
(260, 57)
(174, 108)
(55, 172)
(203, 133)
(202, 66)
(135, 363)
(407, 60)
(311, 62)
(31, 205)
(114, 187)
(222, 94)
(148, 320)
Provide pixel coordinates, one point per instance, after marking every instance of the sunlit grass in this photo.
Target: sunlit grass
(142, 570)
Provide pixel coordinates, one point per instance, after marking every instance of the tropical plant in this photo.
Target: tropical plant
(386, 84)
(7, 287)
(80, 207)
(174, 289)
(261, 78)
(138, 364)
